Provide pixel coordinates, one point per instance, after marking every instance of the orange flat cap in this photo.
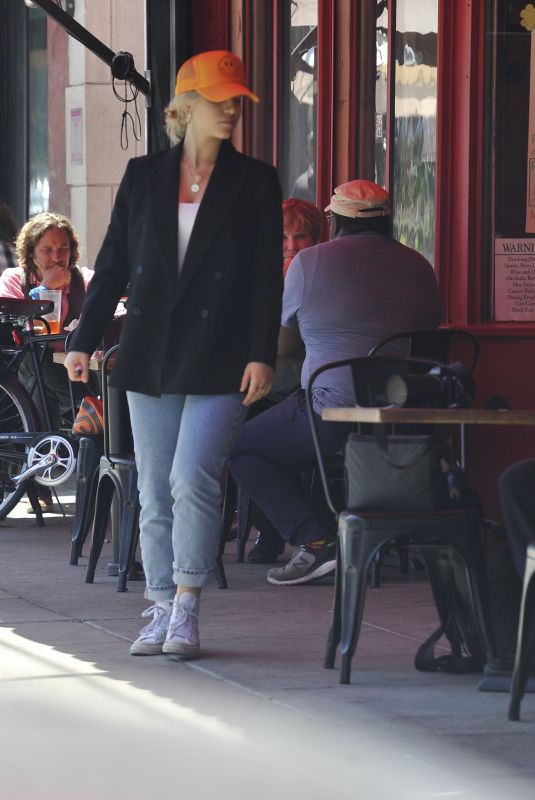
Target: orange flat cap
(360, 198)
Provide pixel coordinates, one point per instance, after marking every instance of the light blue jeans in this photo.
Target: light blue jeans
(181, 443)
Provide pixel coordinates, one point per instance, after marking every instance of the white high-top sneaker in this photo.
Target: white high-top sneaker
(152, 636)
(183, 633)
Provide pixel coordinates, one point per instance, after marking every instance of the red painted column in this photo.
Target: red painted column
(211, 22)
(460, 158)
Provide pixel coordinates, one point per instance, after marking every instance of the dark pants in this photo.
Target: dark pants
(517, 495)
(505, 588)
(268, 460)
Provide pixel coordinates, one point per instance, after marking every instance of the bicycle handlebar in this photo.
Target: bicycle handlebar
(15, 311)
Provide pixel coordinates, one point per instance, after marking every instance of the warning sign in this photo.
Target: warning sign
(514, 280)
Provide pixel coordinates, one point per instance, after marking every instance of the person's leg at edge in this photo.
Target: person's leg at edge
(267, 460)
(155, 427)
(269, 543)
(209, 426)
(181, 443)
(517, 496)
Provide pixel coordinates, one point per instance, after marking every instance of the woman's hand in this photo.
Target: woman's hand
(256, 381)
(77, 365)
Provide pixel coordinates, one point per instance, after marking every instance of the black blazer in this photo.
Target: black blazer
(195, 333)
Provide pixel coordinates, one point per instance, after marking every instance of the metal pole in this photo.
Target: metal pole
(113, 60)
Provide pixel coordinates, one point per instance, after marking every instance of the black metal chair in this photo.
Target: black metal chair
(244, 521)
(525, 648)
(117, 476)
(439, 344)
(90, 452)
(236, 504)
(450, 533)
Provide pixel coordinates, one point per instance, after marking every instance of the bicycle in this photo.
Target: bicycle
(27, 452)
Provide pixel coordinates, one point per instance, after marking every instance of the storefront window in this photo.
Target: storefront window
(381, 97)
(415, 80)
(39, 189)
(297, 106)
(513, 212)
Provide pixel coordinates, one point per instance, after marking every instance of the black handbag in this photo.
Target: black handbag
(394, 472)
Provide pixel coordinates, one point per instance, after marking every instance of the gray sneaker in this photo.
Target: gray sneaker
(183, 633)
(152, 636)
(306, 564)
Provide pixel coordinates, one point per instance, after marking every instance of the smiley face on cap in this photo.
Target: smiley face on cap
(229, 67)
(217, 75)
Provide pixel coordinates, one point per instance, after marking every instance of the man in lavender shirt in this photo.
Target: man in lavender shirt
(343, 296)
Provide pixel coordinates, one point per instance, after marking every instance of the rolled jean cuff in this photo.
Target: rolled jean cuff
(158, 593)
(191, 577)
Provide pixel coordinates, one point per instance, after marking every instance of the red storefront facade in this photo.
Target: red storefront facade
(431, 98)
(477, 43)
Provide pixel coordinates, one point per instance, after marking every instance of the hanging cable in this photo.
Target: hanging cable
(122, 68)
(135, 122)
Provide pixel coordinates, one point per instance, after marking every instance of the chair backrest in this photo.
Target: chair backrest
(117, 438)
(370, 376)
(105, 396)
(112, 334)
(442, 344)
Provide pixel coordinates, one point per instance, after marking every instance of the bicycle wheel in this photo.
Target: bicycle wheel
(17, 414)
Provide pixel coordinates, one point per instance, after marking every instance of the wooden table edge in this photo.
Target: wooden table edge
(452, 416)
(95, 362)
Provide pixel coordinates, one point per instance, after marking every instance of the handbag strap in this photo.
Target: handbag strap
(381, 438)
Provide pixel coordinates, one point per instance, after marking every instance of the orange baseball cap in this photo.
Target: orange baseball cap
(360, 199)
(216, 75)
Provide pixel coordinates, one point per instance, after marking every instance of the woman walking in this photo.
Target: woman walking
(196, 232)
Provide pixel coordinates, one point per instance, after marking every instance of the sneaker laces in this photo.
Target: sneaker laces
(184, 623)
(158, 624)
(299, 557)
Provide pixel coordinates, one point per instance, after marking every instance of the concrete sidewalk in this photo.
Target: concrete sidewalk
(256, 716)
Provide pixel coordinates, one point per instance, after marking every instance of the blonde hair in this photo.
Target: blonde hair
(35, 228)
(176, 115)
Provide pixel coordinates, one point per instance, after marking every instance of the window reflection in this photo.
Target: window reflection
(381, 76)
(38, 112)
(415, 124)
(298, 104)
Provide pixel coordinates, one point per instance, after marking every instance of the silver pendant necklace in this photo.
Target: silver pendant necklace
(195, 186)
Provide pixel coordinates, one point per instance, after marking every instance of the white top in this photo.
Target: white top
(186, 217)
